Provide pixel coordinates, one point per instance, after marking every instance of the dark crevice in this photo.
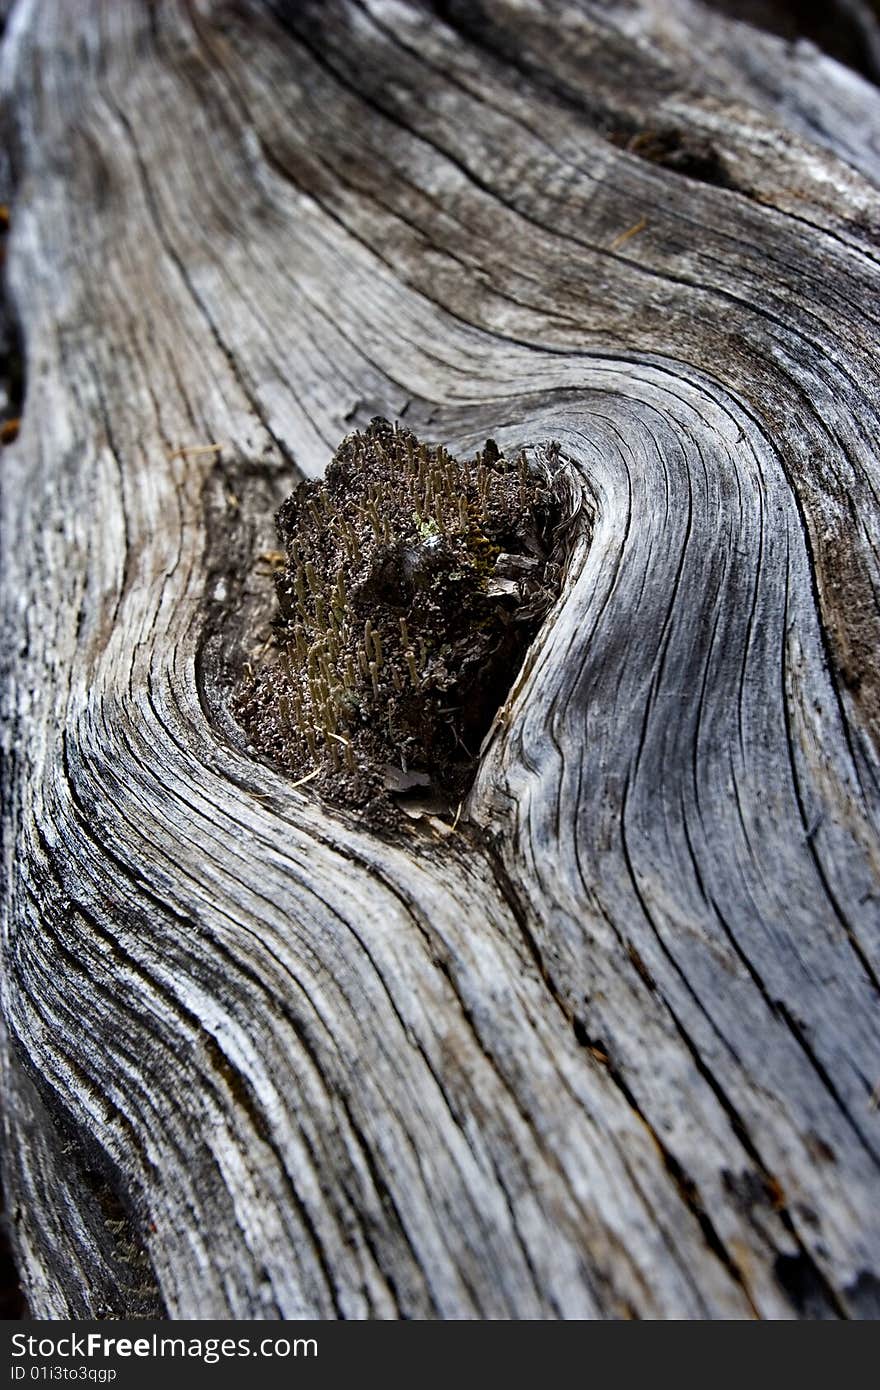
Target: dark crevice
(12, 1300)
(863, 1295)
(797, 1275)
(684, 152)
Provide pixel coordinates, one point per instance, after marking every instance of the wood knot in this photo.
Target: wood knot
(411, 587)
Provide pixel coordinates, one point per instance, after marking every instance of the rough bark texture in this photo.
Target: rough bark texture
(611, 1048)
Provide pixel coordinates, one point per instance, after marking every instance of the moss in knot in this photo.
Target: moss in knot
(412, 586)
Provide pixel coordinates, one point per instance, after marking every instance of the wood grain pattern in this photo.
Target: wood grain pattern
(610, 1049)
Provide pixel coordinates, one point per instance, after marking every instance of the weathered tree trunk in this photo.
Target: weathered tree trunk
(611, 1047)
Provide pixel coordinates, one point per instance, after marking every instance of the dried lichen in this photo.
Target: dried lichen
(412, 586)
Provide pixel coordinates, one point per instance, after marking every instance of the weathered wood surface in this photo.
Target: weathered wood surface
(610, 1049)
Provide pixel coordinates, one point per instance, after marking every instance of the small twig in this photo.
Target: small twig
(309, 777)
(186, 450)
(623, 237)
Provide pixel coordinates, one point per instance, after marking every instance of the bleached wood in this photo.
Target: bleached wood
(611, 1048)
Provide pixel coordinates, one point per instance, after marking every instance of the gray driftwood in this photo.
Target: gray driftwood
(611, 1048)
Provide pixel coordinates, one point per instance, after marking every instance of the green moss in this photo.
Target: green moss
(393, 646)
